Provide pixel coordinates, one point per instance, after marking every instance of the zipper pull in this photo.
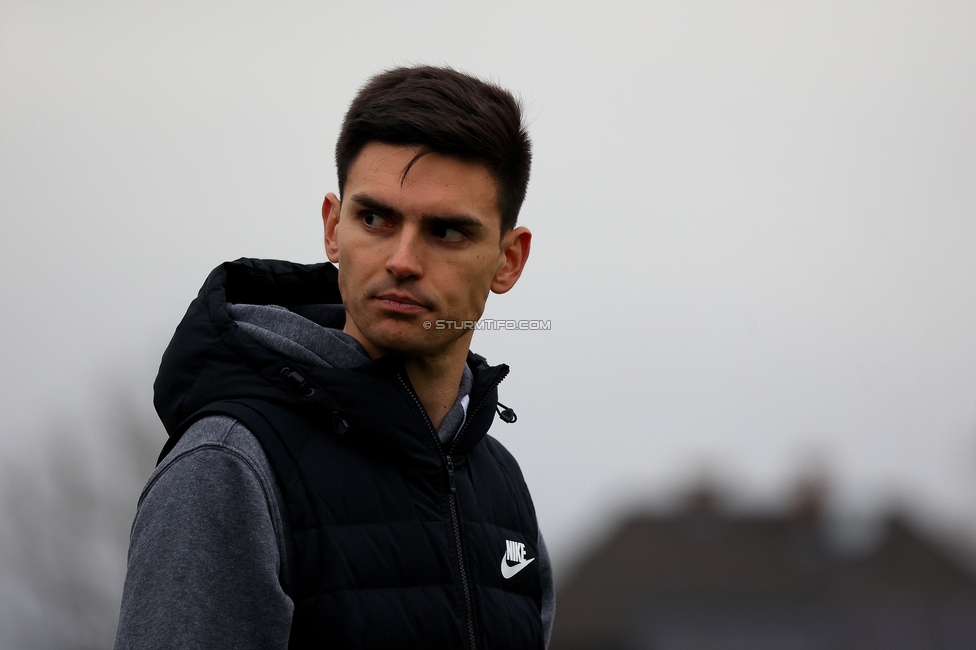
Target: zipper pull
(450, 474)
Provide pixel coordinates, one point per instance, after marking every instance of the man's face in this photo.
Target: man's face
(419, 248)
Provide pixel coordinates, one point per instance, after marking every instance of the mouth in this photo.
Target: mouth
(400, 302)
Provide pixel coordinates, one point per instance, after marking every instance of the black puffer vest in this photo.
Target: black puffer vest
(400, 542)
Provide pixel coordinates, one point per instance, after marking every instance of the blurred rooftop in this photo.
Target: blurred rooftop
(704, 578)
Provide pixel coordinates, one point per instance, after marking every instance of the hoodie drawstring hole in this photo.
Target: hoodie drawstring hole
(505, 413)
(297, 382)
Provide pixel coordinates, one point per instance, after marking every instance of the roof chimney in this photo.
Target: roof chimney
(810, 502)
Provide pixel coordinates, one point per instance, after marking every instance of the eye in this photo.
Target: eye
(449, 234)
(372, 220)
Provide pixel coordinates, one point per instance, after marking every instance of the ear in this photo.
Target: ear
(515, 251)
(330, 219)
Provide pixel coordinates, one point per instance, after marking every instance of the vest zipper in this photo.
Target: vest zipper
(456, 522)
(452, 494)
(474, 411)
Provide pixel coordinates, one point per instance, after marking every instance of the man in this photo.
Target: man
(328, 481)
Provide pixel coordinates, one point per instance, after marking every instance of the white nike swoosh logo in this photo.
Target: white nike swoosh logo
(509, 571)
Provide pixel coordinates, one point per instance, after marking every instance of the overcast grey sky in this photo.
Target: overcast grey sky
(755, 223)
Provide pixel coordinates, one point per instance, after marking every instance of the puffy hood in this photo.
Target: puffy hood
(211, 358)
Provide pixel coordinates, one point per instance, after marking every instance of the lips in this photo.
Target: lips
(401, 302)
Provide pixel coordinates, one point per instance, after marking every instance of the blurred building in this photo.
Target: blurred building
(704, 580)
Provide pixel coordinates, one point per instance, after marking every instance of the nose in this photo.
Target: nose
(405, 259)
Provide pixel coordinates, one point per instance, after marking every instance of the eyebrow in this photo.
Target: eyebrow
(427, 220)
(376, 205)
(451, 221)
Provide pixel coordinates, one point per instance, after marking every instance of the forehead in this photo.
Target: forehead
(434, 184)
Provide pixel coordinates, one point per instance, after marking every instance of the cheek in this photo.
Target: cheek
(351, 280)
(344, 285)
(476, 283)
(354, 263)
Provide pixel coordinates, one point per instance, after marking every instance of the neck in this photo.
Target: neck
(435, 376)
(436, 379)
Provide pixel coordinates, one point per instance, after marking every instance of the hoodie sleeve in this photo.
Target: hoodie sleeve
(548, 590)
(206, 554)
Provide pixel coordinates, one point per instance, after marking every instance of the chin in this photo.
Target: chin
(396, 338)
(410, 343)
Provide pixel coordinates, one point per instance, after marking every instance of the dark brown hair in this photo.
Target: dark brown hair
(446, 112)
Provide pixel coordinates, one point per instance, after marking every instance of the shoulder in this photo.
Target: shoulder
(216, 446)
(500, 476)
(218, 473)
(218, 432)
(218, 477)
(502, 456)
